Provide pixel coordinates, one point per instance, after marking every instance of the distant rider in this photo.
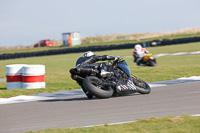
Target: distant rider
(88, 60)
(139, 53)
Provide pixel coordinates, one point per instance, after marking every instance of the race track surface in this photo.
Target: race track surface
(77, 111)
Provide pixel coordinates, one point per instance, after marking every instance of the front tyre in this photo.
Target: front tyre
(92, 85)
(142, 87)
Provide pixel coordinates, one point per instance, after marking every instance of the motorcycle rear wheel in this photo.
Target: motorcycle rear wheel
(91, 84)
(152, 63)
(142, 86)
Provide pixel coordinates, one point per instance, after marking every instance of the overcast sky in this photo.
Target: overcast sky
(24, 22)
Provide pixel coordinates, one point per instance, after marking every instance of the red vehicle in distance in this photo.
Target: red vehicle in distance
(44, 43)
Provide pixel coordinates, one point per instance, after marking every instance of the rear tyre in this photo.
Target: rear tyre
(142, 87)
(152, 63)
(92, 85)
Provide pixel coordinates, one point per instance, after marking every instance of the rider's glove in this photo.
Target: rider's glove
(147, 52)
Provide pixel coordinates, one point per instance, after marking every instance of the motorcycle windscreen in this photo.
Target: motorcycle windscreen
(126, 86)
(123, 66)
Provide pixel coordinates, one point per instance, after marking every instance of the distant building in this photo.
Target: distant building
(71, 38)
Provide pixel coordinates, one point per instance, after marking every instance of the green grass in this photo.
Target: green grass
(170, 124)
(57, 75)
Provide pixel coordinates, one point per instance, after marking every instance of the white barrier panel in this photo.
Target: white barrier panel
(33, 76)
(34, 85)
(22, 76)
(14, 76)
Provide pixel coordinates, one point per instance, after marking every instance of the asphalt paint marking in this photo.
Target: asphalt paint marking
(79, 92)
(117, 123)
(175, 81)
(41, 96)
(172, 54)
(196, 115)
(175, 54)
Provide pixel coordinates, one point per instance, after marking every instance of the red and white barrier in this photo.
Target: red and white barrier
(33, 76)
(22, 76)
(14, 76)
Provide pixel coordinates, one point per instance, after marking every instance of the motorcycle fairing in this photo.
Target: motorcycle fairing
(124, 67)
(126, 86)
(146, 57)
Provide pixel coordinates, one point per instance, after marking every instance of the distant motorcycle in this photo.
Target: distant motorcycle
(111, 78)
(149, 60)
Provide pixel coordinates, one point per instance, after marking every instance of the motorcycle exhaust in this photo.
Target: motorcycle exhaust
(107, 84)
(86, 71)
(77, 78)
(73, 71)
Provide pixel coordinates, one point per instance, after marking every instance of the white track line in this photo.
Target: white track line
(196, 115)
(117, 123)
(172, 54)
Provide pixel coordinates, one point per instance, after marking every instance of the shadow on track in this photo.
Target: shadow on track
(83, 98)
(68, 99)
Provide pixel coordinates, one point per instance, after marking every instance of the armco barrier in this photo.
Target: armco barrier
(22, 76)
(98, 48)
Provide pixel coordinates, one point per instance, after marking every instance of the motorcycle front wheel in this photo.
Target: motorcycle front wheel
(142, 86)
(92, 85)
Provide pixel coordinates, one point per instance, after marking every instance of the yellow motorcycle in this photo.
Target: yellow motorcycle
(149, 60)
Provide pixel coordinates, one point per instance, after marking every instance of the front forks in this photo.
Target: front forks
(137, 81)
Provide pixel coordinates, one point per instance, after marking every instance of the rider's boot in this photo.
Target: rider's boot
(90, 96)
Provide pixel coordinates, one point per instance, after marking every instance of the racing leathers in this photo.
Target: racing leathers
(90, 62)
(139, 54)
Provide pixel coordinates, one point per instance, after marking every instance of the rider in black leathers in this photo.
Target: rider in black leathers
(88, 60)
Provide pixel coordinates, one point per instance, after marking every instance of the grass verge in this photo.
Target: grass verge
(57, 75)
(170, 124)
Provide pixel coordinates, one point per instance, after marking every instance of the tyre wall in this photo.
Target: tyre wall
(153, 43)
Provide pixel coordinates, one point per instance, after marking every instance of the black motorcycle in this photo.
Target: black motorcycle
(107, 79)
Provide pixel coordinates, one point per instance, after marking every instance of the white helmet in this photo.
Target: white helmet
(88, 54)
(138, 47)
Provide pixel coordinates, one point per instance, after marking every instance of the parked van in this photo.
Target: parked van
(44, 43)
